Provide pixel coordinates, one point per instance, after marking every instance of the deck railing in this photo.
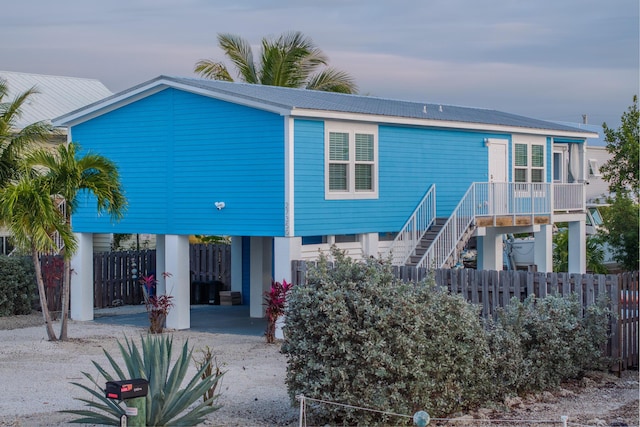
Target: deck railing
(492, 199)
(485, 199)
(569, 197)
(418, 223)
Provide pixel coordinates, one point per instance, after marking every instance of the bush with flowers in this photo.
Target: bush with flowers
(275, 299)
(157, 305)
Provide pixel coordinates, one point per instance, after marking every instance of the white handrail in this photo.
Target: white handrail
(489, 199)
(416, 226)
(447, 239)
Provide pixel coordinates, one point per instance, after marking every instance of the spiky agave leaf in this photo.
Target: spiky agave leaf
(190, 394)
(112, 410)
(173, 400)
(167, 403)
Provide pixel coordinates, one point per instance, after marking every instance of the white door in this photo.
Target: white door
(498, 177)
(498, 156)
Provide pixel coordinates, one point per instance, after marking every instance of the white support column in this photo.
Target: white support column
(577, 247)
(260, 274)
(236, 263)
(176, 259)
(369, 242)
(490, 250)
(285, 250)
(82, 279)
(543, 249)
(161, 285)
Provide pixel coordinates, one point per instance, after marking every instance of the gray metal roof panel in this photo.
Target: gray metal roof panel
(337, 102)
(290, 99)
(57, 95)
(593, 142)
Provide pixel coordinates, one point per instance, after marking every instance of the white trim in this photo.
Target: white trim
(102, 107)
(289, 177)
(375, 118)
(161, 83)
(594, 168)
(352, 129)
(529, 142)
(505, 162)
(135, 94)
(562, 150)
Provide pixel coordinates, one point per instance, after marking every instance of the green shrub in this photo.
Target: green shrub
(17, 285)
(358, 336)
(542, 341)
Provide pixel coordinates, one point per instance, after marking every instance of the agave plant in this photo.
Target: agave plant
(166, 402)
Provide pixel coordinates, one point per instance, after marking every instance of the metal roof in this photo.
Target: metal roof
(298, 101)
(337, 102)
(592, 142)
(57, 95)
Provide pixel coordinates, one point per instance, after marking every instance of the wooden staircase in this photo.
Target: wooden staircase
(426, 241)
(439, 242)
(431, 235)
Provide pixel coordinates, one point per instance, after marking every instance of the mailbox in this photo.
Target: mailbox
(127, 389)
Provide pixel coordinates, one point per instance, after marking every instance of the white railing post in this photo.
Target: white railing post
(416, 226)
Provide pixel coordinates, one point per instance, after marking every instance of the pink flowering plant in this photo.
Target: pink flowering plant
(275, 299)
(157, 305)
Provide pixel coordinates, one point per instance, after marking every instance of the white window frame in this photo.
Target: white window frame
(594, 169)
(351, 129)
(529, 166)
(561, 151)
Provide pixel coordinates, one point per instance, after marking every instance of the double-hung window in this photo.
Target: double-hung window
(528, 162)
(351, 153)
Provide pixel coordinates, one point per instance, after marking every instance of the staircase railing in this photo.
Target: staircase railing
(447, 239)
(416, 226)
(509, 199)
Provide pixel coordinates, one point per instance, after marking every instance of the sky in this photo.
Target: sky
(547, 59)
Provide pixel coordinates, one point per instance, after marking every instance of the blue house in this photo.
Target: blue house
(287, 172)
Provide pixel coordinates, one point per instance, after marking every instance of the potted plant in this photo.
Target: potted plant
(275, 299)
(157, 305)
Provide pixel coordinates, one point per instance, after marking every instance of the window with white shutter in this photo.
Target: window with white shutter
(351, 168)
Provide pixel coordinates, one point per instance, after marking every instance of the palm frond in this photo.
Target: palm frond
(238, 50)
(212, 70)
(332, 80)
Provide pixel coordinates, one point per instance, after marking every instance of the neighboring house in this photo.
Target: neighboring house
(597, 155)
(286, 172)
(57, 95)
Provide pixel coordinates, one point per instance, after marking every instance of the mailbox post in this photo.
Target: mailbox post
(134, 393)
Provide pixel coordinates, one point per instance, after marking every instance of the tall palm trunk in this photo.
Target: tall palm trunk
(66, 288)
(43, 296)
(66, 280)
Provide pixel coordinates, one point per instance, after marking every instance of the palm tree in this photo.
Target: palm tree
(291, 60)
(595, 253)
(30, 214)
(13, 141)
(66, 174)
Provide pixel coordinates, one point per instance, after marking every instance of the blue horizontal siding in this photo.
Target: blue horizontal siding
(177, 154)
(411, 159)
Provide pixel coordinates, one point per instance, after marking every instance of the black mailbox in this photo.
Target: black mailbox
(127, 389)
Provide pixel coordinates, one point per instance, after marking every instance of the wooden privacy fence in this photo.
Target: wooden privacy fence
(494, 289)
(117, 274)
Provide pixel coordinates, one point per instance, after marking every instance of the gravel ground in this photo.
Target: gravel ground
(36, 376)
